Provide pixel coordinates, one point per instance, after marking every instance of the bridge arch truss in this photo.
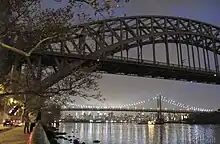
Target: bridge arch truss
(195, 48)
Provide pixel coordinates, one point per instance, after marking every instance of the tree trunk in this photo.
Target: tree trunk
(24, 110)
(23, 115)
(5, 63)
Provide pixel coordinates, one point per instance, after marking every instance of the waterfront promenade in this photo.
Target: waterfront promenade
(14, 136)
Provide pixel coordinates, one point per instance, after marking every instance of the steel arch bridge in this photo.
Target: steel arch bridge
(190, 49)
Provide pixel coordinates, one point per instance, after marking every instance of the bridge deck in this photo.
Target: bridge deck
(144, 68)
(133, 110)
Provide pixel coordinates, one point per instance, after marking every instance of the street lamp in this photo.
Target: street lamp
(12, 101)
(1, 89)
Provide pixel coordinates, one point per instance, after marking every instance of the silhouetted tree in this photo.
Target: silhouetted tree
(24, 27)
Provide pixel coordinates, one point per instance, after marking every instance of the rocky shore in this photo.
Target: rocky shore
(53, 136)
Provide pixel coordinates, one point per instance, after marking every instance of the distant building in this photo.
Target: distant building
(69, 117)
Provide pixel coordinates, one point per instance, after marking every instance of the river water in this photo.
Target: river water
(116, 133)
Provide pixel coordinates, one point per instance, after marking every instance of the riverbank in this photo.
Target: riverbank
(55, 136)
(14, 136)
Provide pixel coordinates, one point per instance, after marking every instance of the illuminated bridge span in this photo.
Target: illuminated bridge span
(133, 107)
(155, 46)
(134, 110)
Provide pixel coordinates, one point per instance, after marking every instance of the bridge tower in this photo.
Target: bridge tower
(159, 107)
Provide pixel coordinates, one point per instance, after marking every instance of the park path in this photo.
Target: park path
(14, 136)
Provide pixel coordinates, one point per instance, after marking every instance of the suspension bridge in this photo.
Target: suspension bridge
(135, 107)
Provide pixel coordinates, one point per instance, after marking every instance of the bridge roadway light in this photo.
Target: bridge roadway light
(215, 75)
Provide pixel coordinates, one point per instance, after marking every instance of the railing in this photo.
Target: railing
(160, 63)
(38, 136)
(57, 51)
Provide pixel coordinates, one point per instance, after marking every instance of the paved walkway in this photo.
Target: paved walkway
(14, 136)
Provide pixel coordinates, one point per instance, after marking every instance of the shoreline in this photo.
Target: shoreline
(187, 123)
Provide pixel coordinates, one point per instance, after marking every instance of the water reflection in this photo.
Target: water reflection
(151, 133)
(142, 134)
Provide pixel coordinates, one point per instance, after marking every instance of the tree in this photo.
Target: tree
(25, 20)
(26, 27)
(78, 84)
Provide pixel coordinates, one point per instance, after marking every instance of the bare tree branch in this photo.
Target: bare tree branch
(24, 28)
(21, 52)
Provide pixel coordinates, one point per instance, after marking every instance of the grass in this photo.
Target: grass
(2, 128)
(14, 136)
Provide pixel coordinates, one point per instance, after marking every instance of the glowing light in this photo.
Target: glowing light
(1, 89)
(133, 105)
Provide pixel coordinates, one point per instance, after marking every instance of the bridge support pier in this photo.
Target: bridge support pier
(159, 119)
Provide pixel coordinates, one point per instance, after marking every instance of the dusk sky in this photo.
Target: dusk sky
(124, 89)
